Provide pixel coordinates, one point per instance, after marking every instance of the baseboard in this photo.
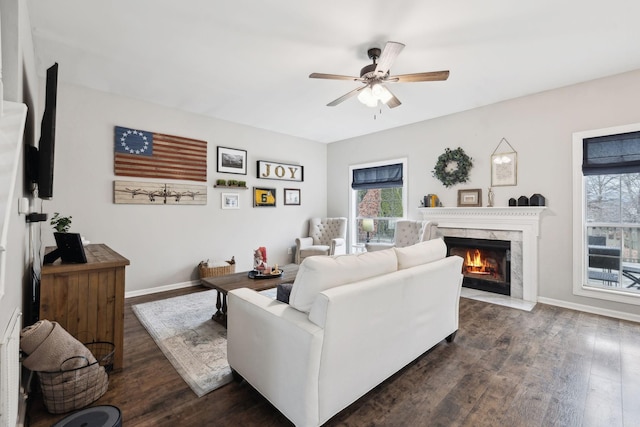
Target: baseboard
(590, 309)
(165, 288)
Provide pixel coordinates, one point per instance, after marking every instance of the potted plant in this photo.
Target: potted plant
(232, 183)
(61, 224)
(221, 182)
(242, 184)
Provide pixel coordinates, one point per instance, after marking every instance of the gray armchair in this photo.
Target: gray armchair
(408, 232)
(327, 236)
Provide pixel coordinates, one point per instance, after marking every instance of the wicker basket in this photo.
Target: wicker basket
(205, 271)
(70, 389)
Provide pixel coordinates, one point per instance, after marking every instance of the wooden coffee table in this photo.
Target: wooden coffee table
(229, 282)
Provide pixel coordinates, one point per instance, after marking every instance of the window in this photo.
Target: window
(378, 200)
(606, 166)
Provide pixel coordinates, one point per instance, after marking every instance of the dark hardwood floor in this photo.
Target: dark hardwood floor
(506, 367)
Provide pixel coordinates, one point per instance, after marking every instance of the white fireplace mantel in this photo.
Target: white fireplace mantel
(523, 219)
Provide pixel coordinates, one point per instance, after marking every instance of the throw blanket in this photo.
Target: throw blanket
(69, 376)
(51, 348)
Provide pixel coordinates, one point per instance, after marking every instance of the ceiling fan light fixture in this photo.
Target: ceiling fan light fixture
(367, 98)
(375, 75)
(382, 93)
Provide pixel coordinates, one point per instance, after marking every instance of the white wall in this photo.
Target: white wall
(165, 243)
(20, 85)
(540, 129)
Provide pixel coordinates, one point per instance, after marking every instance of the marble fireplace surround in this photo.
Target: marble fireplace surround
(519, 225)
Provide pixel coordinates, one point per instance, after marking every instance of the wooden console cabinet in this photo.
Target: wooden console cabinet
(87, 299)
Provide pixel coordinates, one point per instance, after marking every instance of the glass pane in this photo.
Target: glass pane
(383, 230)
(603, 198)
(604, 256)
(631, 247)
(630, 259)
(630, 197)
(385, 207)
(391, 203)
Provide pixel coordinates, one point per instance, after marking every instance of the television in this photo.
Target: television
(41, 159)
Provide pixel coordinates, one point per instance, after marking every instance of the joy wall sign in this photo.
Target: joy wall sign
(281, 171)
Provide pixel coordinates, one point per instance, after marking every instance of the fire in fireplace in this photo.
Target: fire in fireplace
(486, 265)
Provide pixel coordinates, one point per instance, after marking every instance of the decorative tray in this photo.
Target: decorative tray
(255, 274)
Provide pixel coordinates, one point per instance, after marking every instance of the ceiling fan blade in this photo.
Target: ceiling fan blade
(389, 55)
(431, 76)
(333, 77)
(393, 102)
(345, 97)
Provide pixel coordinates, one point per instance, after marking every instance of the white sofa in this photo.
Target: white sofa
(351, 322)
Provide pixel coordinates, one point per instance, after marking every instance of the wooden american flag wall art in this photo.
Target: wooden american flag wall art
(146, 154)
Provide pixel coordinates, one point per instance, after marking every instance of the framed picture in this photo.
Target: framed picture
(291, 196)
(230, 201)
(504, 169)
(231, 160)
(468, 198)
(264, 197)
(280, 171)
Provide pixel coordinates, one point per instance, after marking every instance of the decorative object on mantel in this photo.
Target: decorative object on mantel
(537, 200)
(154, 155)
(523, 201)
(430, 201)
(449, 174)
(513, 202)
(155, 193)
(468, 198)
(280, 171)
(232, 160)
(490, 197)
(504, 166)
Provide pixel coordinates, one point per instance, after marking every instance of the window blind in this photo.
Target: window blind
(387, 176)
(611, 154)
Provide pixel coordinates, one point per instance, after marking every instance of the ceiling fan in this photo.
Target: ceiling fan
(374, 75)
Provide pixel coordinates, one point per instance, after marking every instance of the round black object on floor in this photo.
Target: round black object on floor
(95, 416)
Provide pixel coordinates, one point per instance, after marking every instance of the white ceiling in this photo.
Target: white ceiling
(248, 61)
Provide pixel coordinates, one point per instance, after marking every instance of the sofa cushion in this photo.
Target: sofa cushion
(421, 253)
(315, 250)
(319, 273)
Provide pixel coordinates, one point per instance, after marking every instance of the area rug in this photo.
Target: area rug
(195, 345)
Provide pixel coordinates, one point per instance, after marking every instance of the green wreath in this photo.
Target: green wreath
(453, 176)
